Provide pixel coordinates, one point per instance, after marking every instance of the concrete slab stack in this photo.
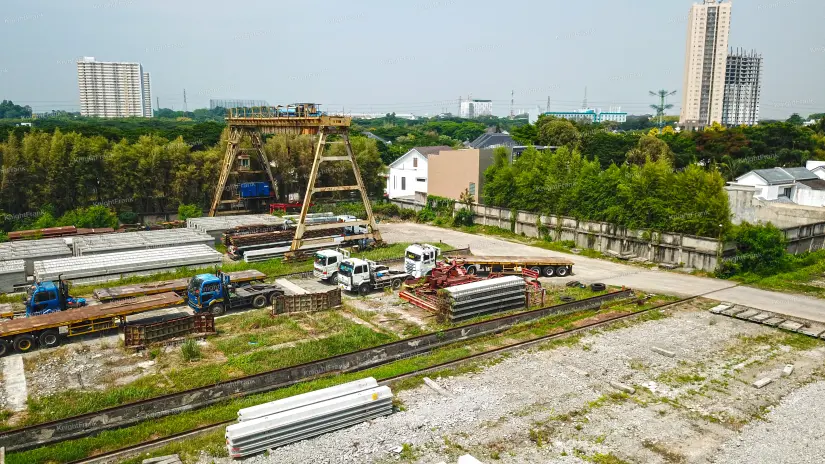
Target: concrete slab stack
(12, 273)
(111, 243)
(305, 416)
(112, 266)
(215, 226)
(34, 250)
(486, 297)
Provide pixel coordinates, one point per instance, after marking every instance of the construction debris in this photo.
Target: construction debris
(431, 383)
(662, 351)
(788, 370)
(762, 382)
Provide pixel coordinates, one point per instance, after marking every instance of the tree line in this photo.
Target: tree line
(47, 175)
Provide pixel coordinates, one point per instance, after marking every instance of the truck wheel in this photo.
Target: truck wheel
(471, 270)
(562, 271)
(23, 343)
(536, 269)
(49, 338)
(259, 301)
(549, 271)
(364, 289)
(273, 298)
(216, 309)
(396, 284)
(333, 278)
(5, 347)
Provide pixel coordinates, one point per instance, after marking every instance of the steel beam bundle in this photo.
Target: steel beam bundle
(109, 243)
(12, 273)
(100, 268)
(305, 416)
(485, 297)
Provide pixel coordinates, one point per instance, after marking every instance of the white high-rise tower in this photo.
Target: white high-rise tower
(113, 89)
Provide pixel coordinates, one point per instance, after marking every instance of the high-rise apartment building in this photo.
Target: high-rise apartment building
(743, 84)
(705, 63)
(475, 108)
(113, 89)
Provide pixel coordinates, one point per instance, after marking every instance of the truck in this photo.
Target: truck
(179, 286)
(24, 334)
(364, 276)
(49, 297)
(420, 259)
(326, 264)
(217, 293)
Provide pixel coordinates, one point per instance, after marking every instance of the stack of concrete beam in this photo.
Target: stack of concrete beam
(313, 218)
(12, 274)
(216, 226)
(34, 250)
(486, 297)
(111, 243)
(297, 418)
(112, 266)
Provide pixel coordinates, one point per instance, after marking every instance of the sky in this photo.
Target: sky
(413, 56)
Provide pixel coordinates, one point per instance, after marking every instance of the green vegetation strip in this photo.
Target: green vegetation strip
(111, 440)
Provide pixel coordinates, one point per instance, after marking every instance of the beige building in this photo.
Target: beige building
(113, 89)
(706, 57)
(453, 171)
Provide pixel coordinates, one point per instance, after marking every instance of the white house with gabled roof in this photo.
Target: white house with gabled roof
(408, 174)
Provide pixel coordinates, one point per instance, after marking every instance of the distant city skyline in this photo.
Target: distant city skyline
(554, 49)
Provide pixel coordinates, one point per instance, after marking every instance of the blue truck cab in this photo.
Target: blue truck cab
(48, 297)
(215, 293)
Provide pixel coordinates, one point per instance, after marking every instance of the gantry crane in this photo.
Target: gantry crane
(299, 118)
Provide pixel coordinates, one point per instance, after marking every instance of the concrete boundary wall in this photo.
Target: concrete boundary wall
(132, 413)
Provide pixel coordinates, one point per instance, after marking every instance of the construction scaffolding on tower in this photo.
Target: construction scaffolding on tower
(297, 119)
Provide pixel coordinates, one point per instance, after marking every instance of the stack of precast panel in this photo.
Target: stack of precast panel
(112, 266)
(111, 243)
(297, 418)
(216, 226)
(12, 274)
(34, 250)
(485, 297)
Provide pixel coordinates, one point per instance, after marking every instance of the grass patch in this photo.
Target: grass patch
(190, 350)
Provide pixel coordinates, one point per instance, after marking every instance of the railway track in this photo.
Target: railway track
(132, 450)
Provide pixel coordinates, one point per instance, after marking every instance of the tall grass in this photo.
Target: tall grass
(190, 351)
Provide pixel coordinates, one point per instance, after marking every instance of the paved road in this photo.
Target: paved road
(592, 270)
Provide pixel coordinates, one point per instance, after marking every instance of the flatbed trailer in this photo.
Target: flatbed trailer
(547, 267)
(178, 286)
(46, 329)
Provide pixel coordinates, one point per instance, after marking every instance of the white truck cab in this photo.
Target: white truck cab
(352, 273)
(420, 259)
(327, 262)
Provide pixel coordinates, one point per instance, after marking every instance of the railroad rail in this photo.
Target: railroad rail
(132, 450)
(152, 408)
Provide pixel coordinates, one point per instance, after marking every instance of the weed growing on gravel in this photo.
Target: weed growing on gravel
(800, 342)
(408, 452)
(667, 454)
(190, 350)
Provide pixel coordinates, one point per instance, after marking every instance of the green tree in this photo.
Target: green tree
(557, 132)
(796, 119)
(650, 148)
(760, 249)
(189, 211)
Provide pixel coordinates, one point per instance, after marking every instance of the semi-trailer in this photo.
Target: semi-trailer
(420, 259)
(178, 286)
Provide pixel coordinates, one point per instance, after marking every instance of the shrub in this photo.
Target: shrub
(189, 211)
(387, 209)
(463, 217)
(190, 350)
(425, 215)
(128, 217)
(407, 214)
(760, 249)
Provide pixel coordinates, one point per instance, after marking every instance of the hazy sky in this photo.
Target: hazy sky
(414, 56)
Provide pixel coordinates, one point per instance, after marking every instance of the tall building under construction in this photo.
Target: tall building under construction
(705, 63)
(743, 83)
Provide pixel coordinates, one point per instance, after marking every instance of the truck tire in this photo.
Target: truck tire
(536, 269)
(23, 343)
(562, 271)
(396, 284)
(333, 279)
(273, 297)
(364, 289)
(259, 301)
(598, 287)
(549, 271)
(216, 309)
(471, 270)
(49, 338)
(5, 347)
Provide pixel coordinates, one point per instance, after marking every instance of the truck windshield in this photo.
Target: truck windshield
(195, 285)
(413, 257)
(345, 269)
(320, 259)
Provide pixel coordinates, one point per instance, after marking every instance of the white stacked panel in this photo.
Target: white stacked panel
(109, 243)
(110, 266)
(12, 273)
(304, 399)
(34, 250)
(215, 226)
(307, 421)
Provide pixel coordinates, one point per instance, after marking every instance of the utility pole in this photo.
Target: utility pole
(157, 99)
(584, 103)
(661, 107)
(547, 109)
(512, 101)
(185, 107)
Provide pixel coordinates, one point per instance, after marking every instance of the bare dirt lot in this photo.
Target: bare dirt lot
(556, 403)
